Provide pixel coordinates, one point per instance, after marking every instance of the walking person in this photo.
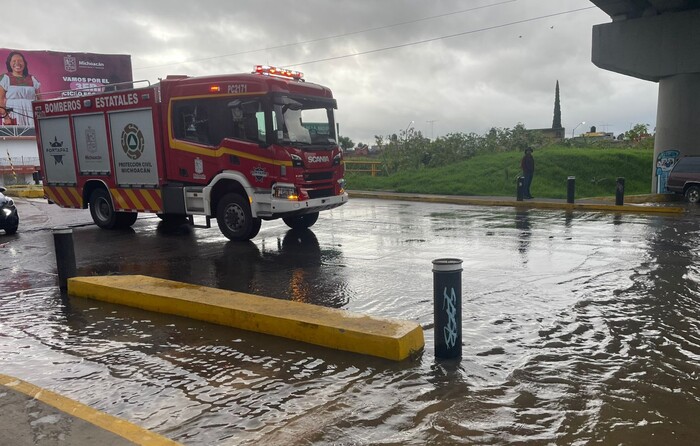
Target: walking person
(527, 164)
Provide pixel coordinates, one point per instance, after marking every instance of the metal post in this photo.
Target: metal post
(65, 256)
(570, 189)
(447, 307)
(520, 192)
(620, 191)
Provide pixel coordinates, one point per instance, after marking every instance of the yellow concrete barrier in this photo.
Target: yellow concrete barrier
(328, 327)
(28, 191)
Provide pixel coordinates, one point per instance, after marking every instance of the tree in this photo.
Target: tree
(345, 142)
(556, 123)
(638, 132)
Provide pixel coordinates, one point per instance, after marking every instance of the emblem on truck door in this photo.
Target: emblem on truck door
(132, 141)
(259, 173)
(199, 169)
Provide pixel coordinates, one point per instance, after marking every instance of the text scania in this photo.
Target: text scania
(319, 159)
(63, 106)
(117, 101)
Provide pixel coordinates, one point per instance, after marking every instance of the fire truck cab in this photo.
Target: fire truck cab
(238, 148)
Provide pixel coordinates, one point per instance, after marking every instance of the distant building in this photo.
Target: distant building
(19, 157)
(553, 134)
(599, 135)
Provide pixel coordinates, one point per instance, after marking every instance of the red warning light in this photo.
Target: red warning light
(266, 70)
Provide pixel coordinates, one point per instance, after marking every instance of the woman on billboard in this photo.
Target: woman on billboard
(18, 89)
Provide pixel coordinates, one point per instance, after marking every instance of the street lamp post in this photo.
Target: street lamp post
(577, 126)
(406, 131)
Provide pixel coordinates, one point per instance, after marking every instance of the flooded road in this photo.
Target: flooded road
(578, 328)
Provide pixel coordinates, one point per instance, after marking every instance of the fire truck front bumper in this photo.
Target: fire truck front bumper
(287, 208)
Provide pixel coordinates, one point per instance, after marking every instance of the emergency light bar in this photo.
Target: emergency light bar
(266, 70)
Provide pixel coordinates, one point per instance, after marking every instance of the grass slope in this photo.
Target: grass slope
(596, 171)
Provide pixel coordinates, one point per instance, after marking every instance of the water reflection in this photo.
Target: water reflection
(589, 342)
(298, 269)
(237, 269)
(523, 224)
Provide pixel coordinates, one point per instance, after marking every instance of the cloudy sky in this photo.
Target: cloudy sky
(439, 66)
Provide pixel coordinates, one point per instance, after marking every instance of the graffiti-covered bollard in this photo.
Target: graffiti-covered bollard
(620, 192)
(520, 192)
(570, 189)
(65, 256)
(447, 307)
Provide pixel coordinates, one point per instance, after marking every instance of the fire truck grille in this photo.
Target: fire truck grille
(320, 193)
(318, 176)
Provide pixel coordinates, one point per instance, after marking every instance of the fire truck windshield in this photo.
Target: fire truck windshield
(304, 122)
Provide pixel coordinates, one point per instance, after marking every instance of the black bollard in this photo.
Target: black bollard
(447, 307)
(570, 189)
(520, 192)
(620, 191)
(65, 256)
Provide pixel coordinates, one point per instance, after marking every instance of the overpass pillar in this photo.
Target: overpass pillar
(660, 48)
(677, 124)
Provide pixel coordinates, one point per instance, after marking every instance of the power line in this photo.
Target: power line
(474, 31)
(320, 39)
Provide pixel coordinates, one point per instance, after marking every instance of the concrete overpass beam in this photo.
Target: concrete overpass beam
(665, 49)
(649, 48)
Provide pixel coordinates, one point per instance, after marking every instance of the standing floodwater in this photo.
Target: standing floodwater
(577, 328)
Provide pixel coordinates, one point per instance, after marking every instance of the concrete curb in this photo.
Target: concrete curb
(581, 205)
(328, 327)
(25, 191)
(100, 427)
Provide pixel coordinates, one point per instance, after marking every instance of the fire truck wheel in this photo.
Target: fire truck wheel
(101, 209)
(301, 221)
(235, 219)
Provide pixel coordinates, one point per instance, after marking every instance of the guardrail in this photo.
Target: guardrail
(372, 167)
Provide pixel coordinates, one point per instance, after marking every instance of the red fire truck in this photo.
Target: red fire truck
(238, 148)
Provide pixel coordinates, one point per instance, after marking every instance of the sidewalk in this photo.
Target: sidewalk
(32, 416)
(652, 203)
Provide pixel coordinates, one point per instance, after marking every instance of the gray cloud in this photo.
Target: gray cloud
(497, 73)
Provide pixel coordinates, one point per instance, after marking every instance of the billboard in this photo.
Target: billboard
(29, 75)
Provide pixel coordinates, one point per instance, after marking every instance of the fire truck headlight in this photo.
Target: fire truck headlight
(285, 191)
(297, 161)
(341, 183)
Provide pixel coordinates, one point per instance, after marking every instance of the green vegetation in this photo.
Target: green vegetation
(596, 169)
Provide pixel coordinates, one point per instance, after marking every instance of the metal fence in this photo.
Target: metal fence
(374, 168)
(18, 160)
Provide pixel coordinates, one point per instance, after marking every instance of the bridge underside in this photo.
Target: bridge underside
(659, 41)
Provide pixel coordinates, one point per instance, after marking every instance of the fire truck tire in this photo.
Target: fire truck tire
(101, 209)
(301, 221)
(234, 218)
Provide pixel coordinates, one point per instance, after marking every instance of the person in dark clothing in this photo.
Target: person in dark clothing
(528, 166)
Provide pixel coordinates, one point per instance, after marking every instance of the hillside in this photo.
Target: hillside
(596, 171)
